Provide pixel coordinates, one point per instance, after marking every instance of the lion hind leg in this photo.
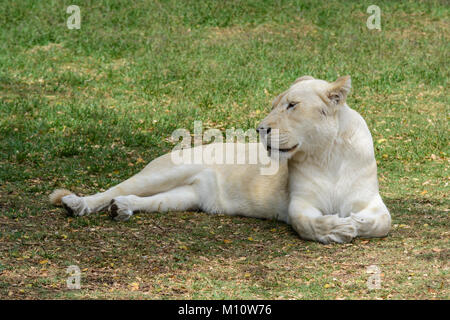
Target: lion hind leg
(74, 205)
(178, 199)
(156, 178)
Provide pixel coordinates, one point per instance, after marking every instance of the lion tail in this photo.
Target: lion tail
(56, 196)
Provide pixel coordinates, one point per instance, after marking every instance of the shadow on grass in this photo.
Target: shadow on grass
(176, 243)
(417, 208)
(12, 88)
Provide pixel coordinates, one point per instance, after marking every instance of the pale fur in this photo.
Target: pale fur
(56, 196)
(326, 187)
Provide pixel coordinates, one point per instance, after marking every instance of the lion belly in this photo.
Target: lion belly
(241, 189)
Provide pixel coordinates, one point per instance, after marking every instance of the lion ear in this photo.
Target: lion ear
(302, 78)
(337, 94)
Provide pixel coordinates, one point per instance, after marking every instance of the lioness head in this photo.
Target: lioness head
(304, 116)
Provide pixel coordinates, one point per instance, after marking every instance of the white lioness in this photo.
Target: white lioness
(326, 188)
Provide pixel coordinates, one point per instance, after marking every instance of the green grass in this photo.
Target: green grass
(80, 108)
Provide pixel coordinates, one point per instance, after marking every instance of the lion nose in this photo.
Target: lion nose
(263, 129)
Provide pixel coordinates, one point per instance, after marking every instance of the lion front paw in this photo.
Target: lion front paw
(75, 206)
(335, 229)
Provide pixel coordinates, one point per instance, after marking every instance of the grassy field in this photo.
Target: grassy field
(85, 109)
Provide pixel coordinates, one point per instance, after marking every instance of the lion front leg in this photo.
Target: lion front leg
(374, 221)
(311, 224)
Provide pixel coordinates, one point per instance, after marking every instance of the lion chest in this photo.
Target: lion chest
(329, 190)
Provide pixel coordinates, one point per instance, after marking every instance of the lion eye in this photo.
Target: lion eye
(291, 105)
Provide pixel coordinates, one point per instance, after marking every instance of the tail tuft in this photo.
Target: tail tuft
(55, 196)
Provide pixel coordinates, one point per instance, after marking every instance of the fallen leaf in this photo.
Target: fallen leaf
(134, 286)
